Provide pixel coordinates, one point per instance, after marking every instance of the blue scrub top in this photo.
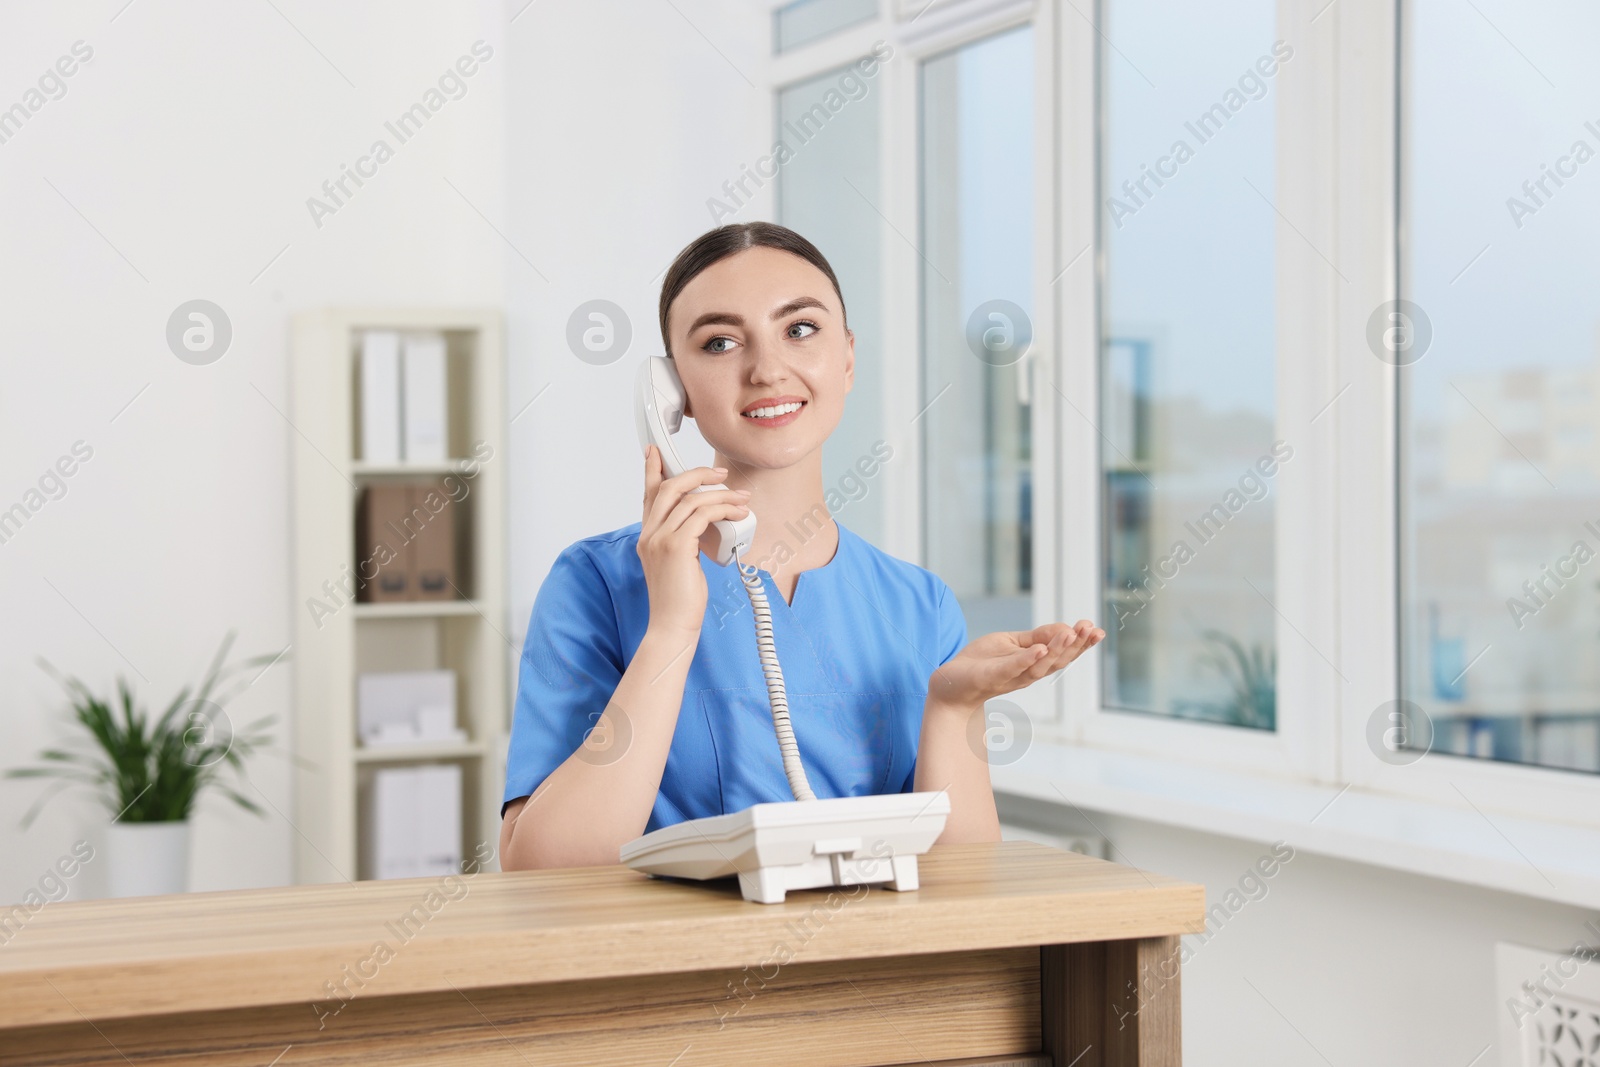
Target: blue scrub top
(857, 646)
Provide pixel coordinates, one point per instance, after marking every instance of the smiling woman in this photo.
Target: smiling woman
(627, 721)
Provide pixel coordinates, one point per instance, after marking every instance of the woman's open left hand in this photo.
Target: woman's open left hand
(1008, 660)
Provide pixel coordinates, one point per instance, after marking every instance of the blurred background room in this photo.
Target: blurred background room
(1264, 334)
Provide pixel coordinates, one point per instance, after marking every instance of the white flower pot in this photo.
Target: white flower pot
(147, 858)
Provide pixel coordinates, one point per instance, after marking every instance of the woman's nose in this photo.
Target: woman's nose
(766, 366)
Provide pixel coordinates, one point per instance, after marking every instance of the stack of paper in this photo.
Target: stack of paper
(406, 707)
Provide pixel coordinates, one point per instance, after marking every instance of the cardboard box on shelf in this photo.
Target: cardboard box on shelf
(379, 553)
(397, 523)
(433, 549)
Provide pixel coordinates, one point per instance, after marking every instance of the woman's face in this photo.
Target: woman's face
(760, 343)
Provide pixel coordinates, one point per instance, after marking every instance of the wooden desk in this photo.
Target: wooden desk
(1007, 949)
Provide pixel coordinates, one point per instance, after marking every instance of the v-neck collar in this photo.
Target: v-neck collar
(800, 579)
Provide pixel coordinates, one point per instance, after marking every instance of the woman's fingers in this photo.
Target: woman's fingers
(1005, 661)
(1010, 671)
(687, 517)
(1077, 640)
(700, 520)
(1053, 660)
(674, 489)
(1044, 635)
(652, 477)
(1061, 643)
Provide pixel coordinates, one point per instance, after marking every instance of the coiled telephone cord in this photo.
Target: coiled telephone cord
(759, 606)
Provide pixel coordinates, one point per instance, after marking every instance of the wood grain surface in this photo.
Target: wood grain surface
(300, 946)
(843, 1013)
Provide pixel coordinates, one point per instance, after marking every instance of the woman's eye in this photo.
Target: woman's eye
(809, 327)
(717, 344)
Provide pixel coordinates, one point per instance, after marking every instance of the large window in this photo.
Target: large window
(977, 175)
(1205, 435)
(1498, 345)
(1189, 456)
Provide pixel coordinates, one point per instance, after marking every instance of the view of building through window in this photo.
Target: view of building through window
(1189, 453)
(1500, 384)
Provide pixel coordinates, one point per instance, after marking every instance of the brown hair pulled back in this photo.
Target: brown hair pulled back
(724, 241)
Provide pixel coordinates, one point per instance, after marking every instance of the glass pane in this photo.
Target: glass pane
(811, 20)
(824, 189)
(1500, 385)
(977, 303)
(1188, 454)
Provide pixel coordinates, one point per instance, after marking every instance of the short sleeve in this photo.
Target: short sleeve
(571, 663)
(952, 626)
(951, 637)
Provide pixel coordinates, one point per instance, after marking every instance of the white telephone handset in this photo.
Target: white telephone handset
(805, 843)
(659, 415)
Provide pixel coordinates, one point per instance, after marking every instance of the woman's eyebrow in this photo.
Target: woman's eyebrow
(796, 304)
(728, 318)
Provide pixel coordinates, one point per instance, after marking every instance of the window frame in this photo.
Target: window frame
(964, 28)
(1303, 745)
(948, 29)
(1340, 121)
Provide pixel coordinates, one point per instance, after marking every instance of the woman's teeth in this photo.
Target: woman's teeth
(772, 412)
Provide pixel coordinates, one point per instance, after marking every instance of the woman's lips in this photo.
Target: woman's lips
(772, 415)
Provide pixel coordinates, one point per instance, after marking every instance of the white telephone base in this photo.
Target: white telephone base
(799, 844)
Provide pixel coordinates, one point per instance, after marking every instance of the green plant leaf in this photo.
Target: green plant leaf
(146, 770)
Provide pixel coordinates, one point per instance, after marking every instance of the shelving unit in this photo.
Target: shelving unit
(420, 609)
(411, 470)
(336, 638)
(426, 751)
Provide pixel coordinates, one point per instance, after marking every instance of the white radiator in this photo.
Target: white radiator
(1549, 1006)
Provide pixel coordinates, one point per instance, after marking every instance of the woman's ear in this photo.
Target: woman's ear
(688, 406)
(688, 412)
(849, 359)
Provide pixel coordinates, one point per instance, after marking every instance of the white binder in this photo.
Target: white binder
(380, 396)
(413, 825)
(425, 398)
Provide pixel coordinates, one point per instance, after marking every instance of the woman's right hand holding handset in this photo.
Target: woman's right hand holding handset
(676, 521)
(602, 795)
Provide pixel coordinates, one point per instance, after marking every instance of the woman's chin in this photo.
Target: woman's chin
(768, 455)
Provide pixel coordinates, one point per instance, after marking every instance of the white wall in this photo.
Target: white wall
(1371, 966)
(190, 141)
(612, 156)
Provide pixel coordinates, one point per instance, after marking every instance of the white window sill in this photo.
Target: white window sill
(1548, 861)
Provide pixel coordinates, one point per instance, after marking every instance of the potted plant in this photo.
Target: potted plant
(149, 773)
(1253, 676)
